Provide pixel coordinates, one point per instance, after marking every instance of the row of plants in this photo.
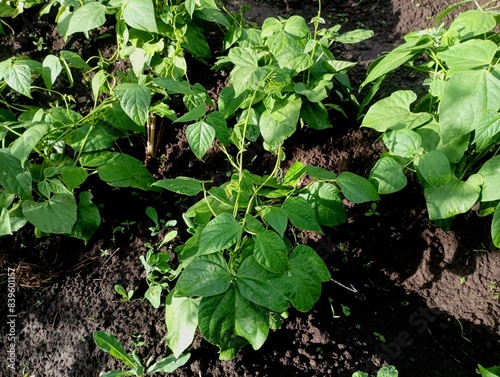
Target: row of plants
(241, 269)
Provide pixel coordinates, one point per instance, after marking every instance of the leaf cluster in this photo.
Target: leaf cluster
(451, 138)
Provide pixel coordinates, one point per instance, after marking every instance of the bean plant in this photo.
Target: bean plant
(242, 269)
(451, 138)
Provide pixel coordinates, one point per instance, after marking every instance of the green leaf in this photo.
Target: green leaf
(489, 372)
(354, 36)
(109, 343)
(193, 114)
(51, 68)
(56, 215)
(181, 185)
(228, 102)
(326, 202)
(403, 143)
(244, 78)
(466, 95)
(394, 113)
(434, 168)
(90, 138)
(453, 198)
(169, 364)
(303, 282)
(277, 218)
(297, 26)
(134, 100)
(206, 275)
(73, 176)
(301, 214)
(18, 76)
(259, 285)
(315, 115)
(279, 124)
(490, 171)
(73, 59)
(220, 233)
(251, 321)
(469, 54)
(243, 57)
(122, 170)
(213, 15)
(13, 176)
(388, 176)
(88, 217)
(87, 17)
(270, 251)
(495, 227)
(217, 319)
(181, 318)
(487, 131)
(357, 189)
(294, 174)
(140, 14)
(471, 23)
(200, 136)
(218, 122)
(24, 144)
(387, 371)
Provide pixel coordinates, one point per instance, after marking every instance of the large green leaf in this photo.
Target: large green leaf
(244, 78)
(56, 215)
(220, 233)
(356, 188)
(87, 17)
(140, 14)
(109, 343)
(122, 170)
(326, 202)
(466, 96)
(388, 176)
(24, 144)
(471, 23)
(301, 214)
(303, 282)
(487, 131)
(73, 176)
(468, 55)
(393, 113)
(206, 275)
(18, 76)
(134, 100)
(200, 136)
(261, 286)
(217, 323)
(279, 124)
(90, 138)
(181, 318)
(490, 171)
(13, 176)
(453, 198)
(270, 251)
(243, 57)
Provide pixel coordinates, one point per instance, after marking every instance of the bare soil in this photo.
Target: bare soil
(418, 297)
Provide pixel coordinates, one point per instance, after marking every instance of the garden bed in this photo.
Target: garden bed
(403, 292)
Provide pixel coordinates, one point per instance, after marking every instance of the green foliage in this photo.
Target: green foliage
(109, 343)
(488, 372)
(283, 73)
(451, 137)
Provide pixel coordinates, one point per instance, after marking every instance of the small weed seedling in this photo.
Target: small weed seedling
(126, 296)
(387, 371)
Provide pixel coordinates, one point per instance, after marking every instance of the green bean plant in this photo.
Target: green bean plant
(242, 269)
(451, 138)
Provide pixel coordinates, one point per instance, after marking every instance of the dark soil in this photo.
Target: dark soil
(420, 298)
